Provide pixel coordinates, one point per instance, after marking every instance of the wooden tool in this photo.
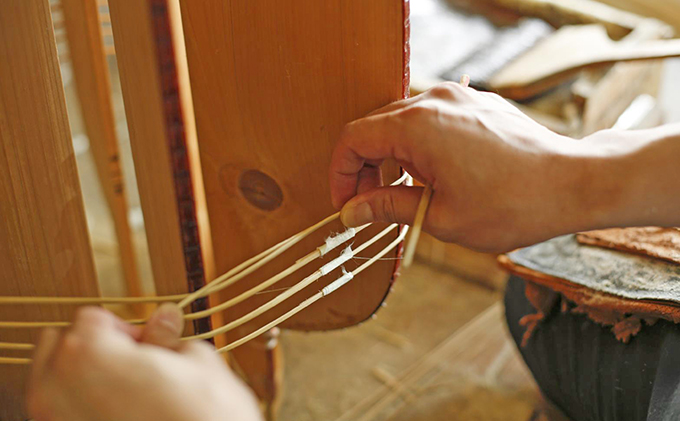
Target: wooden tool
(570, 50)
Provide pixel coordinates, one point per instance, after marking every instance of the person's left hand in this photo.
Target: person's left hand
(107, 370)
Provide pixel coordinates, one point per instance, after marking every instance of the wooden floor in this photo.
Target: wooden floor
(438, 351)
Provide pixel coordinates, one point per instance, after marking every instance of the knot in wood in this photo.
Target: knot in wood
(260, 190)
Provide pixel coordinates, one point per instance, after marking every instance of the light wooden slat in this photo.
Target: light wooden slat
(109, 50)
(91, 74)
(150, 128)
(186, 98)
(106, 31)
(665, 10)
(44, 244)
(138, 67)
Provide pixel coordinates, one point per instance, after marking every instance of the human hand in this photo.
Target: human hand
(500, 179)
(107, 370)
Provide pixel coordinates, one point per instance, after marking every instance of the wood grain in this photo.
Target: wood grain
(44, 244)
(274, 82)
(161, 128)
(139, 76)
(81, 19)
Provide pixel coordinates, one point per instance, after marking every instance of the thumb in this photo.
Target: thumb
(165, 327)
(384, 204)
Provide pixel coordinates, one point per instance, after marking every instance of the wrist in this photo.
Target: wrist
(625, 178)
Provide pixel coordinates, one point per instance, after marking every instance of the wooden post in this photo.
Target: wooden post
(162, 135)
(44, 244)
(81, 18)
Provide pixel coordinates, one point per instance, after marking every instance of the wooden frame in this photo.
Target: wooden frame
(44, 244)
(88, 59)
(157, 113)
(313, 92)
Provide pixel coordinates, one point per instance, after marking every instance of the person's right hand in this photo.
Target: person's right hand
(500, 179)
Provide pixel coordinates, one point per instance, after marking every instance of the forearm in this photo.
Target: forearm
(500, 179)
(629, 178)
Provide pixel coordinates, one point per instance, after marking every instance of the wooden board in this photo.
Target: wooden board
(156, 112)
(140, 83)
(81, 19)
(44, 245)
(582, 47)
(274, 82)
(569, 12)
(665, 10)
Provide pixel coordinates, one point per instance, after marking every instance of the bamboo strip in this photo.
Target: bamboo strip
(15, 361)
(316, 297)
(215, 285)
(417, 225)
(16, 346)
(89, 300)
(260, 310)
(284, 296)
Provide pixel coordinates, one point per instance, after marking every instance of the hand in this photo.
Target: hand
(107, 370)
(500, 179)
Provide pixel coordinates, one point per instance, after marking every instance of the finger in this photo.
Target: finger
(202, 351)
(395, 106)
(369, 178)
(386, 204)
(49, 338)
(165, 327)
(369, 139)
(94, 321)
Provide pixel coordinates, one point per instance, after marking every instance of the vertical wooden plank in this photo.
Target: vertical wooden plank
(157, 114)
(44, 244)
(274, 82)
(81, 18)
(140, 83)
(186, 98)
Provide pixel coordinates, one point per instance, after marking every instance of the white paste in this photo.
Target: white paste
(336, 240)
(337, 262)
(348, 276)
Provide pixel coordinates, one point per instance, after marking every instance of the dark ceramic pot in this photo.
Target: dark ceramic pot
(589, 375)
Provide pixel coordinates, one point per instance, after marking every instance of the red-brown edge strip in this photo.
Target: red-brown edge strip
(176, 137)
(406, 85)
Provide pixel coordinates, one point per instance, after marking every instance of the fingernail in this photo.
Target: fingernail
(356, 215)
